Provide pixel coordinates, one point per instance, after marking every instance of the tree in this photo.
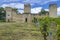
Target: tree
(44, 23)
(15, 9)
(35, 20)
(2, 13)
(42, 11)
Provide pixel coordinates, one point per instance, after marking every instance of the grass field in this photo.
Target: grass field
(19, 31)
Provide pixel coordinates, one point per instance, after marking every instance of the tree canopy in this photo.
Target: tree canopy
(47, 21)
(43, 11)
(2, 13)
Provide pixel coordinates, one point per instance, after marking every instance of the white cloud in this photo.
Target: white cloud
(14, 5)
(58, 8)
(58, 11)
(36, 10)
(47, 9)
(33, 10)
(21, 11)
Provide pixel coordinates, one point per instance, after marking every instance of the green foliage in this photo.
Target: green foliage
(57, 21)
(2, 13)
(58, 32)
(44, 23)
(35, 20)
(43, 11)
(47, 21)
(15, 9)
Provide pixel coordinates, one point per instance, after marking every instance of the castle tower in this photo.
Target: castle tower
(14, 15)
(26, 14)
(8, 14)
(27, 8)
(53, 10)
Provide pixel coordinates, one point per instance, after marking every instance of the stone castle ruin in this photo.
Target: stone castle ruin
(27, 16)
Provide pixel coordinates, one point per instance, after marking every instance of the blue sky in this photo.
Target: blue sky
(36, 5)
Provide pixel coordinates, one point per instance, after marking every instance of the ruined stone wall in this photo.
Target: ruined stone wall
(36, 16)
(17, 17)
(12, 15)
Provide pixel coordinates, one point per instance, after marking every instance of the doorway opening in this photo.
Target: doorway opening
(25, 19)
(8, 20)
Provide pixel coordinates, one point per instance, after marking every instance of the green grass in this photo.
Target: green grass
(19, 31)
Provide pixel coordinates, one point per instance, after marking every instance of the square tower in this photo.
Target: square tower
(27, 8)
(53, 10)
(8, 14)
(26, 14)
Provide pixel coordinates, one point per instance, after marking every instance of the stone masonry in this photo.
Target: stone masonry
(27, 16)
